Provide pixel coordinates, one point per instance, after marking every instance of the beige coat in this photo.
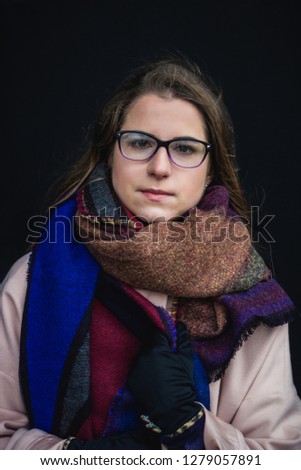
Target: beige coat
(254, 406)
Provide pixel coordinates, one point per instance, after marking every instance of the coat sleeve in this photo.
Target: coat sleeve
(255, 405)
(14, 432)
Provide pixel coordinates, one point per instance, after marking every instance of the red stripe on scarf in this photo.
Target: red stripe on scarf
(112, 351)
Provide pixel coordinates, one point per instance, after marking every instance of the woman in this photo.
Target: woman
(145, 317)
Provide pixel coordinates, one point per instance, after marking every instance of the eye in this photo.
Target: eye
(136, 141)
(142, 143)
(183, 148)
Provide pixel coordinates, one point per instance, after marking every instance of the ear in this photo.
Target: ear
(209, 178)
(210, 174)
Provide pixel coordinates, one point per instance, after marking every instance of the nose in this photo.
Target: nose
(159, 165)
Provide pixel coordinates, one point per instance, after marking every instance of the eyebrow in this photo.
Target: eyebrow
(189, 137)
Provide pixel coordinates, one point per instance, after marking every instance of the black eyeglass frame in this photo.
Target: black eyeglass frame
(161, 143)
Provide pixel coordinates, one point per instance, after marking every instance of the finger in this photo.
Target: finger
(157, 338)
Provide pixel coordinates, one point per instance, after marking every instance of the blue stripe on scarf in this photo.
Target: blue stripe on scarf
(201, 382)
(61, 285)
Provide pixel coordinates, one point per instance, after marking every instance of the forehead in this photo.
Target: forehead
(165, 117)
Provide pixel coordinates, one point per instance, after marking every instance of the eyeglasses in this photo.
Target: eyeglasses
(185, 152)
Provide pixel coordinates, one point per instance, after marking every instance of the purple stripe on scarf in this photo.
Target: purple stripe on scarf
(265, 303)
(264, 299)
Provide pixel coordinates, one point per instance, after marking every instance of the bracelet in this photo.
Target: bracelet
(67, 442)
(150, 425)
(153, 427)
(188, 425)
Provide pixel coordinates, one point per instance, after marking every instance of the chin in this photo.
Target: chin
(150, 217)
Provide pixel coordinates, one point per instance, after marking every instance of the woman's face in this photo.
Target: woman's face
(137, 183)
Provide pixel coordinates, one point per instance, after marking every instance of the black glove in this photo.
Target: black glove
(162, 380)
(127, 441)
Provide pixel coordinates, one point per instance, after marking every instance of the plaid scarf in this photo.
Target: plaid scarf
(84, 321)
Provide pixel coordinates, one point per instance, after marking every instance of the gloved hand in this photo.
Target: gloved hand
(162, 380)
(126, 441)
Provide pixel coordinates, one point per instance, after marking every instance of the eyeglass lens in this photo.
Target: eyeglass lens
(183, 152)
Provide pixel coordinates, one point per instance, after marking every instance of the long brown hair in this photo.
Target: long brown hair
(174, 77)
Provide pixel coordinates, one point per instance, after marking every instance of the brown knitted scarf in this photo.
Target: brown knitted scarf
(196, 259)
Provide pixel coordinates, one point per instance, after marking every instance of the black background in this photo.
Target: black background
(60, 60)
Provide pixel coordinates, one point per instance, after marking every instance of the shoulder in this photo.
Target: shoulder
(14, 286)
(18, 269)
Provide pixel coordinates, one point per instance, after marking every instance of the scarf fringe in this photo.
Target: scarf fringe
(277, 320)
(30, 262)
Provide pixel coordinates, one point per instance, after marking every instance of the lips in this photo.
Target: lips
(155, 194)
(155, 191)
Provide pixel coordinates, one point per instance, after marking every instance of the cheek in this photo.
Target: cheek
(116, 171)
(123, 176)
(194, 192)
(193, 187)
(117, 165)
(194, 183)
